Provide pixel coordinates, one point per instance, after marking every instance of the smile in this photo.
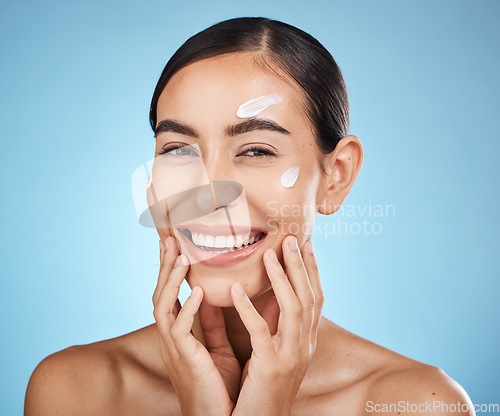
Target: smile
(219, 245)
(222, 243)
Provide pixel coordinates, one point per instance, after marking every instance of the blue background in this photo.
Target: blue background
(76, 83)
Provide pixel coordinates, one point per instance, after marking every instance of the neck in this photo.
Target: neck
(237, 334)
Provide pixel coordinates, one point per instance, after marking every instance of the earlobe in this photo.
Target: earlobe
(341, 167)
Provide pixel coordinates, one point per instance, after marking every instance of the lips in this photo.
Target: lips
(220, 245)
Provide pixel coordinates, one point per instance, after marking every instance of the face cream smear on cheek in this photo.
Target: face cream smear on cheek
(289, 178)
(254, 107)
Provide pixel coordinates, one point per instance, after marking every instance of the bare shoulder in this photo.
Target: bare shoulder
(122, 375)
(353, 375)
(79, 380)
(416, 389)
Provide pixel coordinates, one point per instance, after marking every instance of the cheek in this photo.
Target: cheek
(280, 209)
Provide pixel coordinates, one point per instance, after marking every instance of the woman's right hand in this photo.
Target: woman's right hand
(192, 368)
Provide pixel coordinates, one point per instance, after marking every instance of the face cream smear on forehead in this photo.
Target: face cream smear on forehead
(289, 178)
(253, 107)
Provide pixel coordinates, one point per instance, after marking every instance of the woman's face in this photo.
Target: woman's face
(226, 177)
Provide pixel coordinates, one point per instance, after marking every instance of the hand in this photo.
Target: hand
(274, 372)
(206, 380)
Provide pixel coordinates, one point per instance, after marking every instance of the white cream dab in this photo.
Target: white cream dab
(289, 178)
(253, 107)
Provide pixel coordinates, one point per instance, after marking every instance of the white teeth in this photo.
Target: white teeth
(209, 241)
(220, 241)
(230, 242)
(239, 241)
(197, 239)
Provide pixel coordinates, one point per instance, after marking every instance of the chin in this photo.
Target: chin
(216, 282)
(220, 298)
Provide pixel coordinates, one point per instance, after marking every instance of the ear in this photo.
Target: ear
(341, 167)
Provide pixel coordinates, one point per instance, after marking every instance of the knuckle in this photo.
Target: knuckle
(320, 299)
(156, 312)
(175, 331)
(314, 267)
(297, 263)
(311, 302)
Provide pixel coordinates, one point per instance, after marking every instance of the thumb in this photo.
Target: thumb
(244, 374)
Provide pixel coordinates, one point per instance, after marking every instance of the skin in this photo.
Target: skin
(275, 354)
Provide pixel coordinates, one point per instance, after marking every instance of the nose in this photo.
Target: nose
(216, 195)
(216, 163)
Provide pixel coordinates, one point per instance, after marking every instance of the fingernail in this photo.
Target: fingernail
(272, 257)
(310, 247)
(194, 292)
(292, 243)
(239, 289)
(181, 260)
(177, 262)
(166, 244)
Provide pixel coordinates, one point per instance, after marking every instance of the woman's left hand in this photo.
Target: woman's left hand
(274, 372)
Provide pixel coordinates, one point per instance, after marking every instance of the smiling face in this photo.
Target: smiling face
(208, 156)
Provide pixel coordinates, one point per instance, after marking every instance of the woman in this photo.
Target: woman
(250, 118)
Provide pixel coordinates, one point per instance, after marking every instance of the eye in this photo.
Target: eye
(178, 150)
(258, 152)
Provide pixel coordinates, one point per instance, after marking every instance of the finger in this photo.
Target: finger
(162, 251)
(214, 328)
(161, 278)
(180, 331)
(271, 313)
(313, 273)
(168, 296)
(290, 318)
(167, 263)
(297, 274)
(260, 337)
(167, 307)
(171, 251)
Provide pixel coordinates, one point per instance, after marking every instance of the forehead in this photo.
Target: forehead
(216, 87)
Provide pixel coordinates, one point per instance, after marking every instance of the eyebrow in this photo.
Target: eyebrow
(246, 126)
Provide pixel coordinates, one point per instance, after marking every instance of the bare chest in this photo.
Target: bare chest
(160, 400)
